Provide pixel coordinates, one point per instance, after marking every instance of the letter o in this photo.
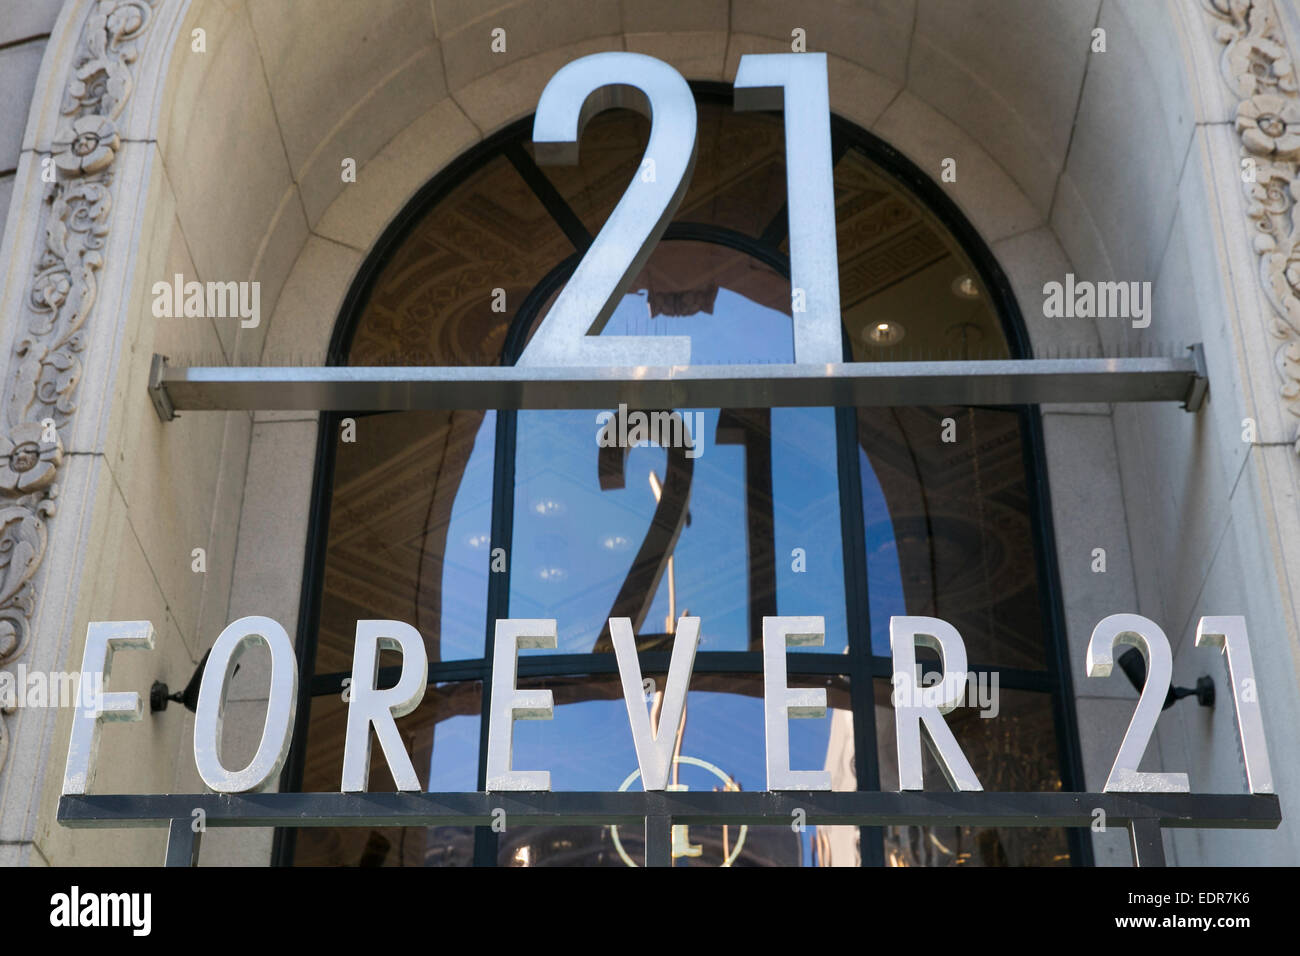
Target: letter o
(281, 707)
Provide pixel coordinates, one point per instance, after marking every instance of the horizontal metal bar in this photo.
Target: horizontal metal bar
(1000, 382)
(1051, 809)
(656, 662)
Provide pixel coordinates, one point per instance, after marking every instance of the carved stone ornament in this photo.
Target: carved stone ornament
(40, 398)
(1259, 70)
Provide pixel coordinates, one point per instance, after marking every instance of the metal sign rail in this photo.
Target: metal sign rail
(1144, 815)
(846, 384)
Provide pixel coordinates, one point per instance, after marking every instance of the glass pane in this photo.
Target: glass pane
(1012, 750)
(907, 291)
(734, 308)
(739, 177)
(730, 845)
(760, 534)
(587, 746)
(410, 520)
(441, 736)
(760, 530)
(434, 302)
(949, 530)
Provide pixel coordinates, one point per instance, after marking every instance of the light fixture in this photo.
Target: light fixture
(159, 694)
(883, 334)
(964, 287)
(1134, 666)
(614, 542)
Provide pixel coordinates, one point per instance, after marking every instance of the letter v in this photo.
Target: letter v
(654, 751)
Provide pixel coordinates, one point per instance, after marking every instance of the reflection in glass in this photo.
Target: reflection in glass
(749, 524)
(442, 738)
(753, 541)
(907, 289)
(1011, 752)
(411, 517)
(760, 532)
(720, 746)
(949, 530)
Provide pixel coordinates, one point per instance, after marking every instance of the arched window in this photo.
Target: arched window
(452, 520)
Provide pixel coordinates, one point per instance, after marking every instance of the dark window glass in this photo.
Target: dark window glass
(1014, 751)
(854, 515)
(442, 737)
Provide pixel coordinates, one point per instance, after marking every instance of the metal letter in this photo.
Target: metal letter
(1229, 633)
(654, 749)
(1146, 636)
(580, 90)
(917, 707)
(781, 704)
(103, 639)
(369, 706)
(281, 707)
(510, 704)
(797, 83)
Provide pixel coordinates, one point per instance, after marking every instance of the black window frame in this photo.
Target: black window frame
(862, 667)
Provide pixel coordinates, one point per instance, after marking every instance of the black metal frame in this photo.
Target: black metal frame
(870, 808)
(862, 667)
(1143, 815)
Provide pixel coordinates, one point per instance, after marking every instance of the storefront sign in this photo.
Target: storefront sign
(917, 708)
(568, 360)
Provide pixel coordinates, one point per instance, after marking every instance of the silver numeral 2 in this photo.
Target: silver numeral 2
(1147, 637)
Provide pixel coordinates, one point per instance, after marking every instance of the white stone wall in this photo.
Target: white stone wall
(24, 28)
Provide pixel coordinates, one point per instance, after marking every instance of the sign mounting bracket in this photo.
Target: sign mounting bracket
(846, 384)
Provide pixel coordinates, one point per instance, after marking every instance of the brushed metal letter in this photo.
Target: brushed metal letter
(654, 749)
(509, 704)
(281, 707)
(917, 707)
(569, 335)
(103, 639)
(379, 708)
(781, 704)
(1229, 633)
(797, 83)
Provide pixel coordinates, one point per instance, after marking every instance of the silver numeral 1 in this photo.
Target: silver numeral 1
(797, 83)
(1229, 633)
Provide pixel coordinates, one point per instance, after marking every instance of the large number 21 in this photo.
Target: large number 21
(1228, 633)
(795, 82)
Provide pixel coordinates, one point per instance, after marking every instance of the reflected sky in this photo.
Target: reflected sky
(573, 544)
